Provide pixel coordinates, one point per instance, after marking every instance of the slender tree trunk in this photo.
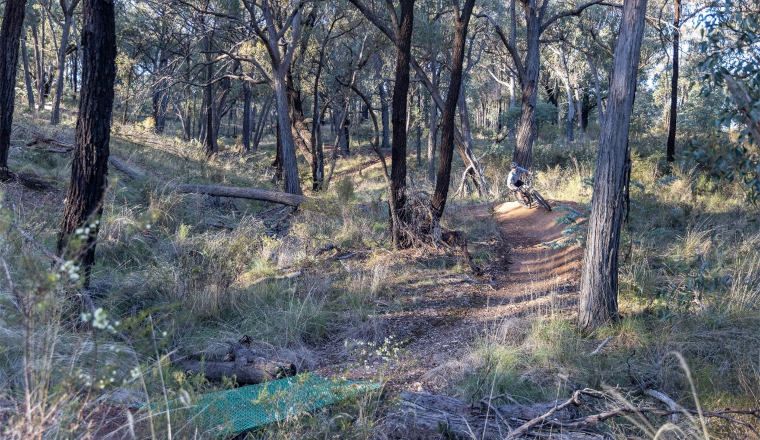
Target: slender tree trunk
(569, 123)
(39, 56)
(382, 90)
(262, 123)
(671, 147)
(209, 138)
(432, 130)
(579, 112)
(27, 77)
(55, 115)
(128, 93)
(160, 100)
(89, 167)
(246, 118)
(10, 33)
(599, 281)
(464, 118)
(448, 126)
(399, 212)
(597, 87)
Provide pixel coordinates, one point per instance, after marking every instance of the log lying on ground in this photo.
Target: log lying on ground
(123, 166)
(136, 173)
(240, 362)
(423, 416)
(241, 193)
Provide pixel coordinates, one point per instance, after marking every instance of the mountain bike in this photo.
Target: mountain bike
(527, 196)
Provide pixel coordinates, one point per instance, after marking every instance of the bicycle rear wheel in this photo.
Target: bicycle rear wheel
(544, 204)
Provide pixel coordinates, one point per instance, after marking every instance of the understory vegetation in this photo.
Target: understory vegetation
(286, 219)
(185, 271)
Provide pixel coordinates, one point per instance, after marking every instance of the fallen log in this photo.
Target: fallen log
(123, 166)
(135, 173)
(241, 193)
(258, 370)
(240, 363)
(424, 416)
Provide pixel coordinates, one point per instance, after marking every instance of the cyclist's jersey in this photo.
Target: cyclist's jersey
(514, 176)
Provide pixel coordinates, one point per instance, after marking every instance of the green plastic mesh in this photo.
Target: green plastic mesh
(241, 409)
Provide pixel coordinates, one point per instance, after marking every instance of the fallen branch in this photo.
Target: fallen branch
(573, 400)
(664, 398)
(601, 346)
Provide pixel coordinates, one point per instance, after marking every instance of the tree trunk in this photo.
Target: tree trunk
(418, 128)
(569, 123)
(10, 33)
(89, 167)
(160, 100)
(39, 56)
(432, 132)
(599, 281)
(246, 118)
(27, 77)
(526, 129)
(399, 212)
(448, 126)
(287, 143)
(671, 147)
(68, 14)
(382, 90)
(209, 135)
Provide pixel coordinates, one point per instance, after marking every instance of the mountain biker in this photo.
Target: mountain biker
(513, 179)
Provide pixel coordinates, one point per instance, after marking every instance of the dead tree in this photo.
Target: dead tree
(10, 33)
(599, 281)
(89, 167)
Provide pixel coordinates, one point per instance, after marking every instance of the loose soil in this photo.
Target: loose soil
(536, 273)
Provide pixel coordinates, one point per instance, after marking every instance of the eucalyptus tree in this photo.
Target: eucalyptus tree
(527, 63)
(278, 26)
(10, 33)
(89, 167)
(599, 279)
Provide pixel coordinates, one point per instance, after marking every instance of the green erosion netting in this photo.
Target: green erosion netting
(233, 411)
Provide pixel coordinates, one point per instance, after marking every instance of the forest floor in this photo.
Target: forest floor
(536, 272)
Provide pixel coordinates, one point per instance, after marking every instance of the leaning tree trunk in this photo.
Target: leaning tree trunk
(448, 125)
(399, 213)
(68, 15)
(599, 281)
(671, 147)
(89, 167)
(10, 33)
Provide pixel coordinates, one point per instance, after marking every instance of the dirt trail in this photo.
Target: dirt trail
(537, 273)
